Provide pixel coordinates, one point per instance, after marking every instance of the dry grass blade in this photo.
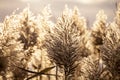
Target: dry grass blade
(42, 72)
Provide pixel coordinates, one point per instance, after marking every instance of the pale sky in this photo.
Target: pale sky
(87, 8)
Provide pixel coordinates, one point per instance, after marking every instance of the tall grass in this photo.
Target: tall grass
(34, 47)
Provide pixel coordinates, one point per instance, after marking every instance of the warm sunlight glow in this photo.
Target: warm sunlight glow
(91, 1)
(28, 0)
(25, 0)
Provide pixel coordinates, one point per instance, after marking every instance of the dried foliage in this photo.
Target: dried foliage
(11, 49)
(28, 34)
(64, 44)
(30, 44)
(94, 70)
(110, 50)
(98, 31)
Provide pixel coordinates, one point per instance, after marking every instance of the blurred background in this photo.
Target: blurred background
(87, 8)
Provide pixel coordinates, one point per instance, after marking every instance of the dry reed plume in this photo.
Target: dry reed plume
(34, 47)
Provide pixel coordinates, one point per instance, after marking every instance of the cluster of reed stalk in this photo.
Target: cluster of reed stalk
(36, 48)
